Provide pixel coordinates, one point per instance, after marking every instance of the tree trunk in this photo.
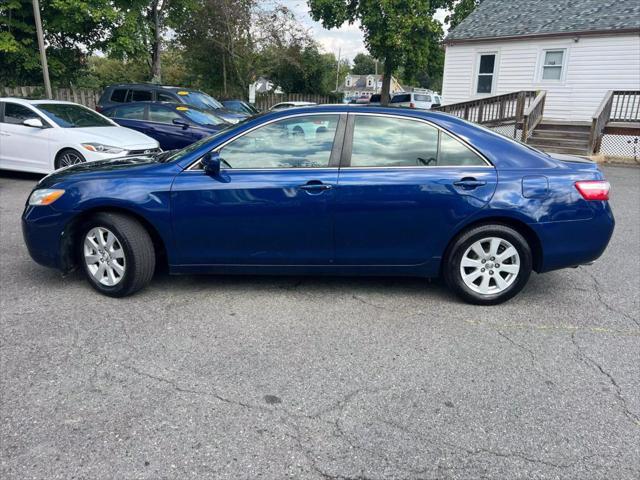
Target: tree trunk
(224, 74)
(156, 67)
(386, 84)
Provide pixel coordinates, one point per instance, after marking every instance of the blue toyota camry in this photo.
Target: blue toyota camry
(337, 190)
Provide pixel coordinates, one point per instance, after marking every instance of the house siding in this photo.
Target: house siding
(593, 65)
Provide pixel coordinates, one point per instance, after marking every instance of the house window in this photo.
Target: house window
(369, 82)
(553, 64)
(486, 69)
(348, 82)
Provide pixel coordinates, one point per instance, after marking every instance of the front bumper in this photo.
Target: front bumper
(43, 230)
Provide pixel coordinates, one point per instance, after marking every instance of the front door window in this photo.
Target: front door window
(297, 142)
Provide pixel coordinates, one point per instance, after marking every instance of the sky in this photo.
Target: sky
(347, 39)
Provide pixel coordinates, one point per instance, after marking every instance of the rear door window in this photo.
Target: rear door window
(141, 96)
(422, 98)
(131, 112)
(393, 142)
(119, 95)
(380, 141)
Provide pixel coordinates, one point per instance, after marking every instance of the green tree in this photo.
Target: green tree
(461, 10)
(398, 32)
(364, 64)
(140, 27)
(73, 28)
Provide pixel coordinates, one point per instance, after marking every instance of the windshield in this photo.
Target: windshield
(200, 100)
(203, 118)
(68, 115)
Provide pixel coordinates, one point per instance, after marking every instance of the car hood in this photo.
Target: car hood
(132, 165)
(114, 136)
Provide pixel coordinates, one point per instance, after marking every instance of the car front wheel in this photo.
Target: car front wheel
(488, 264)
(116, 253)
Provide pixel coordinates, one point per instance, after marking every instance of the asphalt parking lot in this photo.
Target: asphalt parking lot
(320, 378)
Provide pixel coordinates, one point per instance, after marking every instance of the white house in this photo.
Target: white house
(367, 85)
(575, 50)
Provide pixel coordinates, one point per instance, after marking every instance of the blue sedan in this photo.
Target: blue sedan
(354, 192)
(173, 125)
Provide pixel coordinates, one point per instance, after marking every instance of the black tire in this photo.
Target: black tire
(452, 263)
(138, 250)
(59, 163)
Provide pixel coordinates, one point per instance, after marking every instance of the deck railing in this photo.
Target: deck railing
(533, 115)
(494, 110)
(616, 106)
(625, 106)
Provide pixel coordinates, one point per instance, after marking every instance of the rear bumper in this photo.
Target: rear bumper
(578, 242)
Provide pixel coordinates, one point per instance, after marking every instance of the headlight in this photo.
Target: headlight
(45, 196)
(99, 147)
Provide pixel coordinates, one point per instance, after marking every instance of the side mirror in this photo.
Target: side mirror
(179, 121)
(33, 122)
(211, 163)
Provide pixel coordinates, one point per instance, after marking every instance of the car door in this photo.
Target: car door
(170, 135)
(271, 203)
(23, 147)
(404, 186)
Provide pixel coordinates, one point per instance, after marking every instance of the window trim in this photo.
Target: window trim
(494, 74)
(542, 64)
(334, 157)
(345, 158)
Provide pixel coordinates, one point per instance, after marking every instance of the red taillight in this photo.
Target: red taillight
(412, 105)
(98, 108)
(594, 189)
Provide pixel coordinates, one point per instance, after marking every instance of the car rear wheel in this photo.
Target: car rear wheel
(117, 254)
(68, 157)
(488, 264)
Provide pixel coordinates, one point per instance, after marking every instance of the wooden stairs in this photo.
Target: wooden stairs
(561, 137)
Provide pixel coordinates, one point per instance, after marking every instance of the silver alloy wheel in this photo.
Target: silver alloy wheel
(490, 265)
(70, 158)
(104, 256)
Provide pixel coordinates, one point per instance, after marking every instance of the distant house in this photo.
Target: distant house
(574, 50)
(367, 85)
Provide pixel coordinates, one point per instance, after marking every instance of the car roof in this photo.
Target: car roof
(27, 101)
(151, 85)
(296, 103)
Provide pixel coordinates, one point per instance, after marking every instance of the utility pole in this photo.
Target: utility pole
(43, 54)
(338, 68)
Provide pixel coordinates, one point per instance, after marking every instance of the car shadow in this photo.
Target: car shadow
(13, 175)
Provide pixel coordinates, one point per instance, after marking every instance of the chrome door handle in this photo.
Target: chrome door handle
(469, 183)
(315, 187)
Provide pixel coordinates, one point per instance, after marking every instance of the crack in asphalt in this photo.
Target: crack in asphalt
(602, 301)
(590, 362)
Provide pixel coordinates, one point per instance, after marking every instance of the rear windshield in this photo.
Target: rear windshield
(73, 116)
(401, 98)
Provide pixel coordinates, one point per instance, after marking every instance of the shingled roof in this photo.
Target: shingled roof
(495, 19)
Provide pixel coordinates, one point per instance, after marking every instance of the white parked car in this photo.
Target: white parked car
(43, 135)
(422, 101)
